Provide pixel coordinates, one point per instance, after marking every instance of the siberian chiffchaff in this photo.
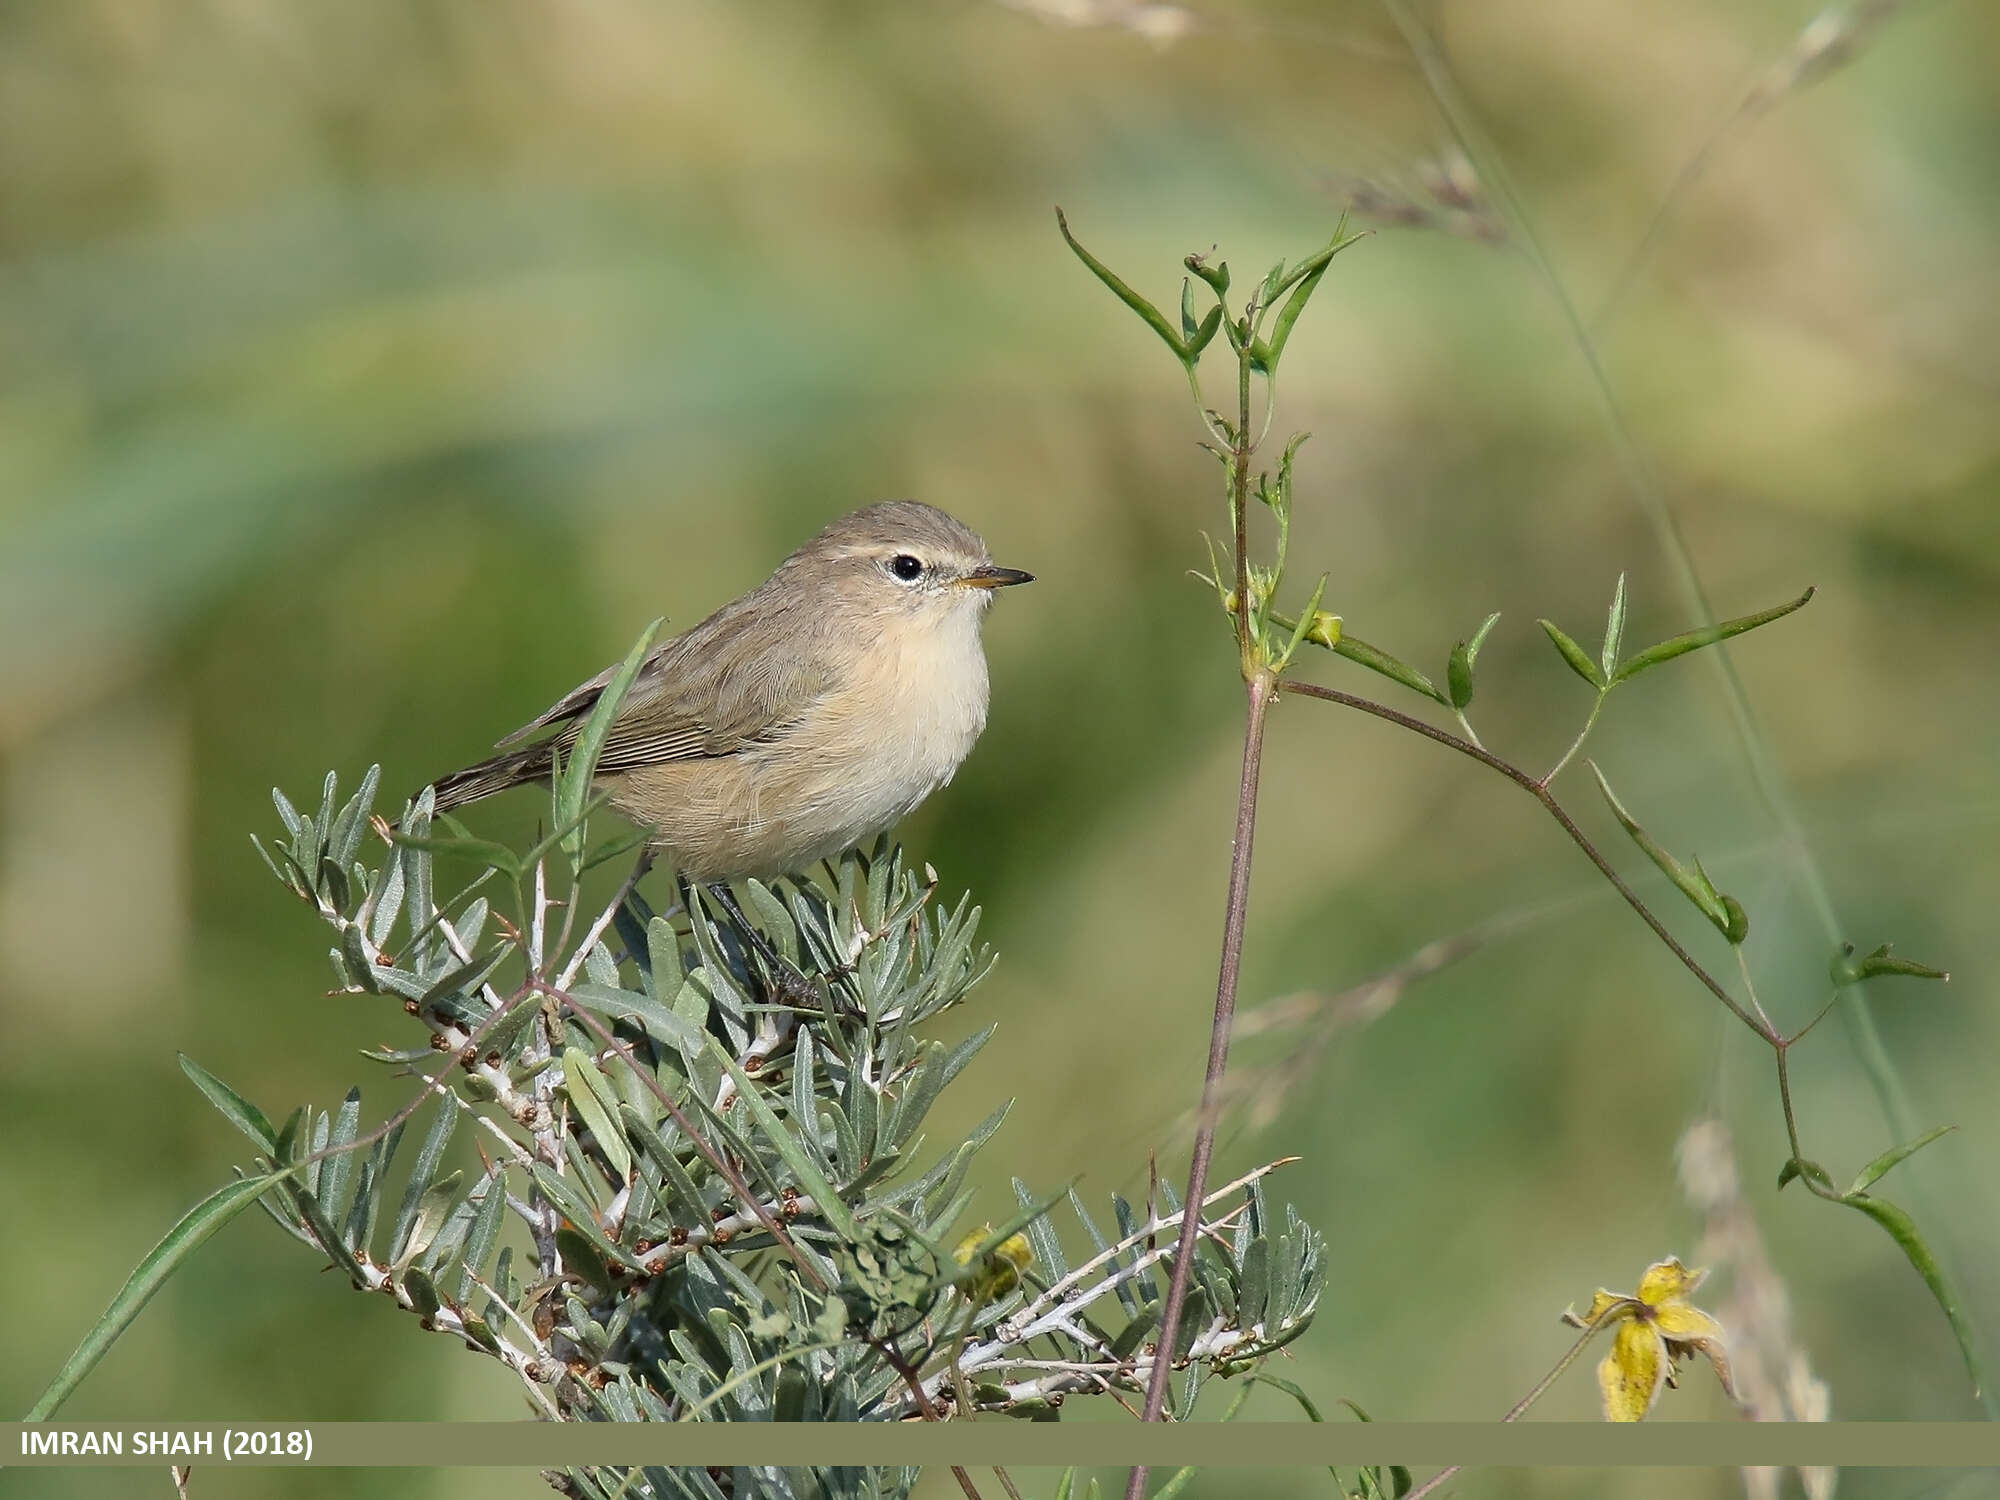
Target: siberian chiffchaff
(807, 716)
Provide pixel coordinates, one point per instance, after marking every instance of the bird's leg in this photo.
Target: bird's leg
(783, 983)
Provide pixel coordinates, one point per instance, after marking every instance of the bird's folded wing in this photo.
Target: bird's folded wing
(573, 704)
(731, 682)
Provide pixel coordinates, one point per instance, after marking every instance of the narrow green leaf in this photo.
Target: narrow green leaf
(466, 978)
(417, 873)
(1903, 1230)
(1304, 626)
(1807, 1171)
(362, 1213)
(1304, 279)
(1124, 293)
(343, 839)
(805, 1098)
(1041, 1232)
(265, 855)
(1578, 659)
(964, 1052)
(485, 1232)
(685, 1204)
(770, 914)
(864, 1113)
(1458, 678)
(661, 1023)
(1253, 1283)
(195, 1226)
(433, 1208)
(1694, 640)
(1297, 1393)
(1846, 969)
(239, 1111)
(1725, 912)
(580, 1254)
(503, 1034)
(351, 958)
(423, 1172)
(810, 1178)
(328, 791)
(1205, 334)
(663, 948)
(1464, 658)
(1893, 1157)
(611, 848)
(387, 901)
(1614, 632)
(600, 966)
(919, 1091)
(481, 851)
(424, 1300)
(1376, 660)
(1267, 290)
(339, 1166)
(582, 1218)
(590, 1091)
(576, 776)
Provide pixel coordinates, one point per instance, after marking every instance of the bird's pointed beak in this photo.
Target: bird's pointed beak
(991, 577)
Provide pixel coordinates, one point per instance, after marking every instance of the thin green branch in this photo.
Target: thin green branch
(1520, 1408)
(1261, 691)
(1540, 792)
(1596, 708)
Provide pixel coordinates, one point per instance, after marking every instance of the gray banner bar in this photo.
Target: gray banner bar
(1042, 1444)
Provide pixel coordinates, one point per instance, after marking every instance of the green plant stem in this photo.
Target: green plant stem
(1260, 690)
(1239, 474)
(1540, 792)
(1581, 735)
(1464, 723)
(1818, 1016)
(894, 1359)
(1785, 1097)
(1519, 1409)
(1770, 1032)
(1260, 686)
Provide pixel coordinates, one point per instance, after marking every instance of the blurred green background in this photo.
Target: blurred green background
(372, 373)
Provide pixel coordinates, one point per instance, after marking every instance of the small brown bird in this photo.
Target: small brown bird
(805, 717)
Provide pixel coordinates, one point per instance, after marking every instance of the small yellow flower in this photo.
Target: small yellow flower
(1657, 1326)
(1001, 1267)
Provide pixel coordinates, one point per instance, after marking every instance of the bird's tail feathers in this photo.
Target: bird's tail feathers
(494, 774)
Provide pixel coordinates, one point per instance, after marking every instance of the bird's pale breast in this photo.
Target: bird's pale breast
(911, 704)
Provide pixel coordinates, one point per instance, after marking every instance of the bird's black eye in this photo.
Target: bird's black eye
(906, 567)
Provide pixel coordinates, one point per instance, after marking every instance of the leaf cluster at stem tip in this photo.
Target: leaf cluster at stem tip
(1245, 330)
